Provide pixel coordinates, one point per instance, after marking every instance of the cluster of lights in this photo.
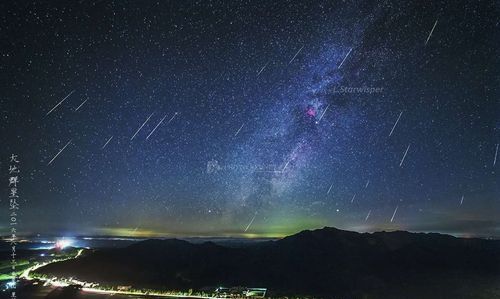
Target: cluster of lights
(62, 243)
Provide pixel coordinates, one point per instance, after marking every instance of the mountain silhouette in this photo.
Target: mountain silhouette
(327, 263)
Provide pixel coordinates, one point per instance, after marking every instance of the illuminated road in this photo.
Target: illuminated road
(88, 287)
(25, 274)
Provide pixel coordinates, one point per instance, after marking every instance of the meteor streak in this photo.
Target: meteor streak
(394, 214)
(171, 119)
(60, 151)
(404, 156)
(496, 154)
(293, 58)
(251, 221)
(81, 105)
(107, 142)
(142, 126)
(60, 102)
(345, 58)
(286, 165)
(156, 126)
(396, 123)
(322, 114)
(239, 130)
(369, 212)
(328, 192)
(262, 69)
(430, 34)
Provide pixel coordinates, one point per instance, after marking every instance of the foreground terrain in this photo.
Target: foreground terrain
(323, 263)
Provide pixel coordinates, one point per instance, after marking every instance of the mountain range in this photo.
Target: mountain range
(324, 263)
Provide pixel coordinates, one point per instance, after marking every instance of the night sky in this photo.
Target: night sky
(251, 118)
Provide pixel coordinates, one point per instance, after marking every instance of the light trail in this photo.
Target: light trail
(57, 105)
(141, 126)
(285, 165)
(81, 105)
(156, 126)
(394, 214)
(170, 120)
(369, 212)
(496, 154)
(251, 221)
(404, 156)
(322, 114)
(237, 132)
(430, 34)
(396, 123)
(329, 189)
(296, 54)
(262, 69)
(345, 58)
(107, 142)
(59, 152)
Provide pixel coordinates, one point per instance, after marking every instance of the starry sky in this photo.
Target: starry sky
(251, 118)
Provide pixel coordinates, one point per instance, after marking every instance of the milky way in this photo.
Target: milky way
(252, 119)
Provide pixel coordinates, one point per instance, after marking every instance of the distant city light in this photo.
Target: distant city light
(63, 243)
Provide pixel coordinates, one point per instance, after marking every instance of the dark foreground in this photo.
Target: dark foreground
(326, 263)
(476, 290)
